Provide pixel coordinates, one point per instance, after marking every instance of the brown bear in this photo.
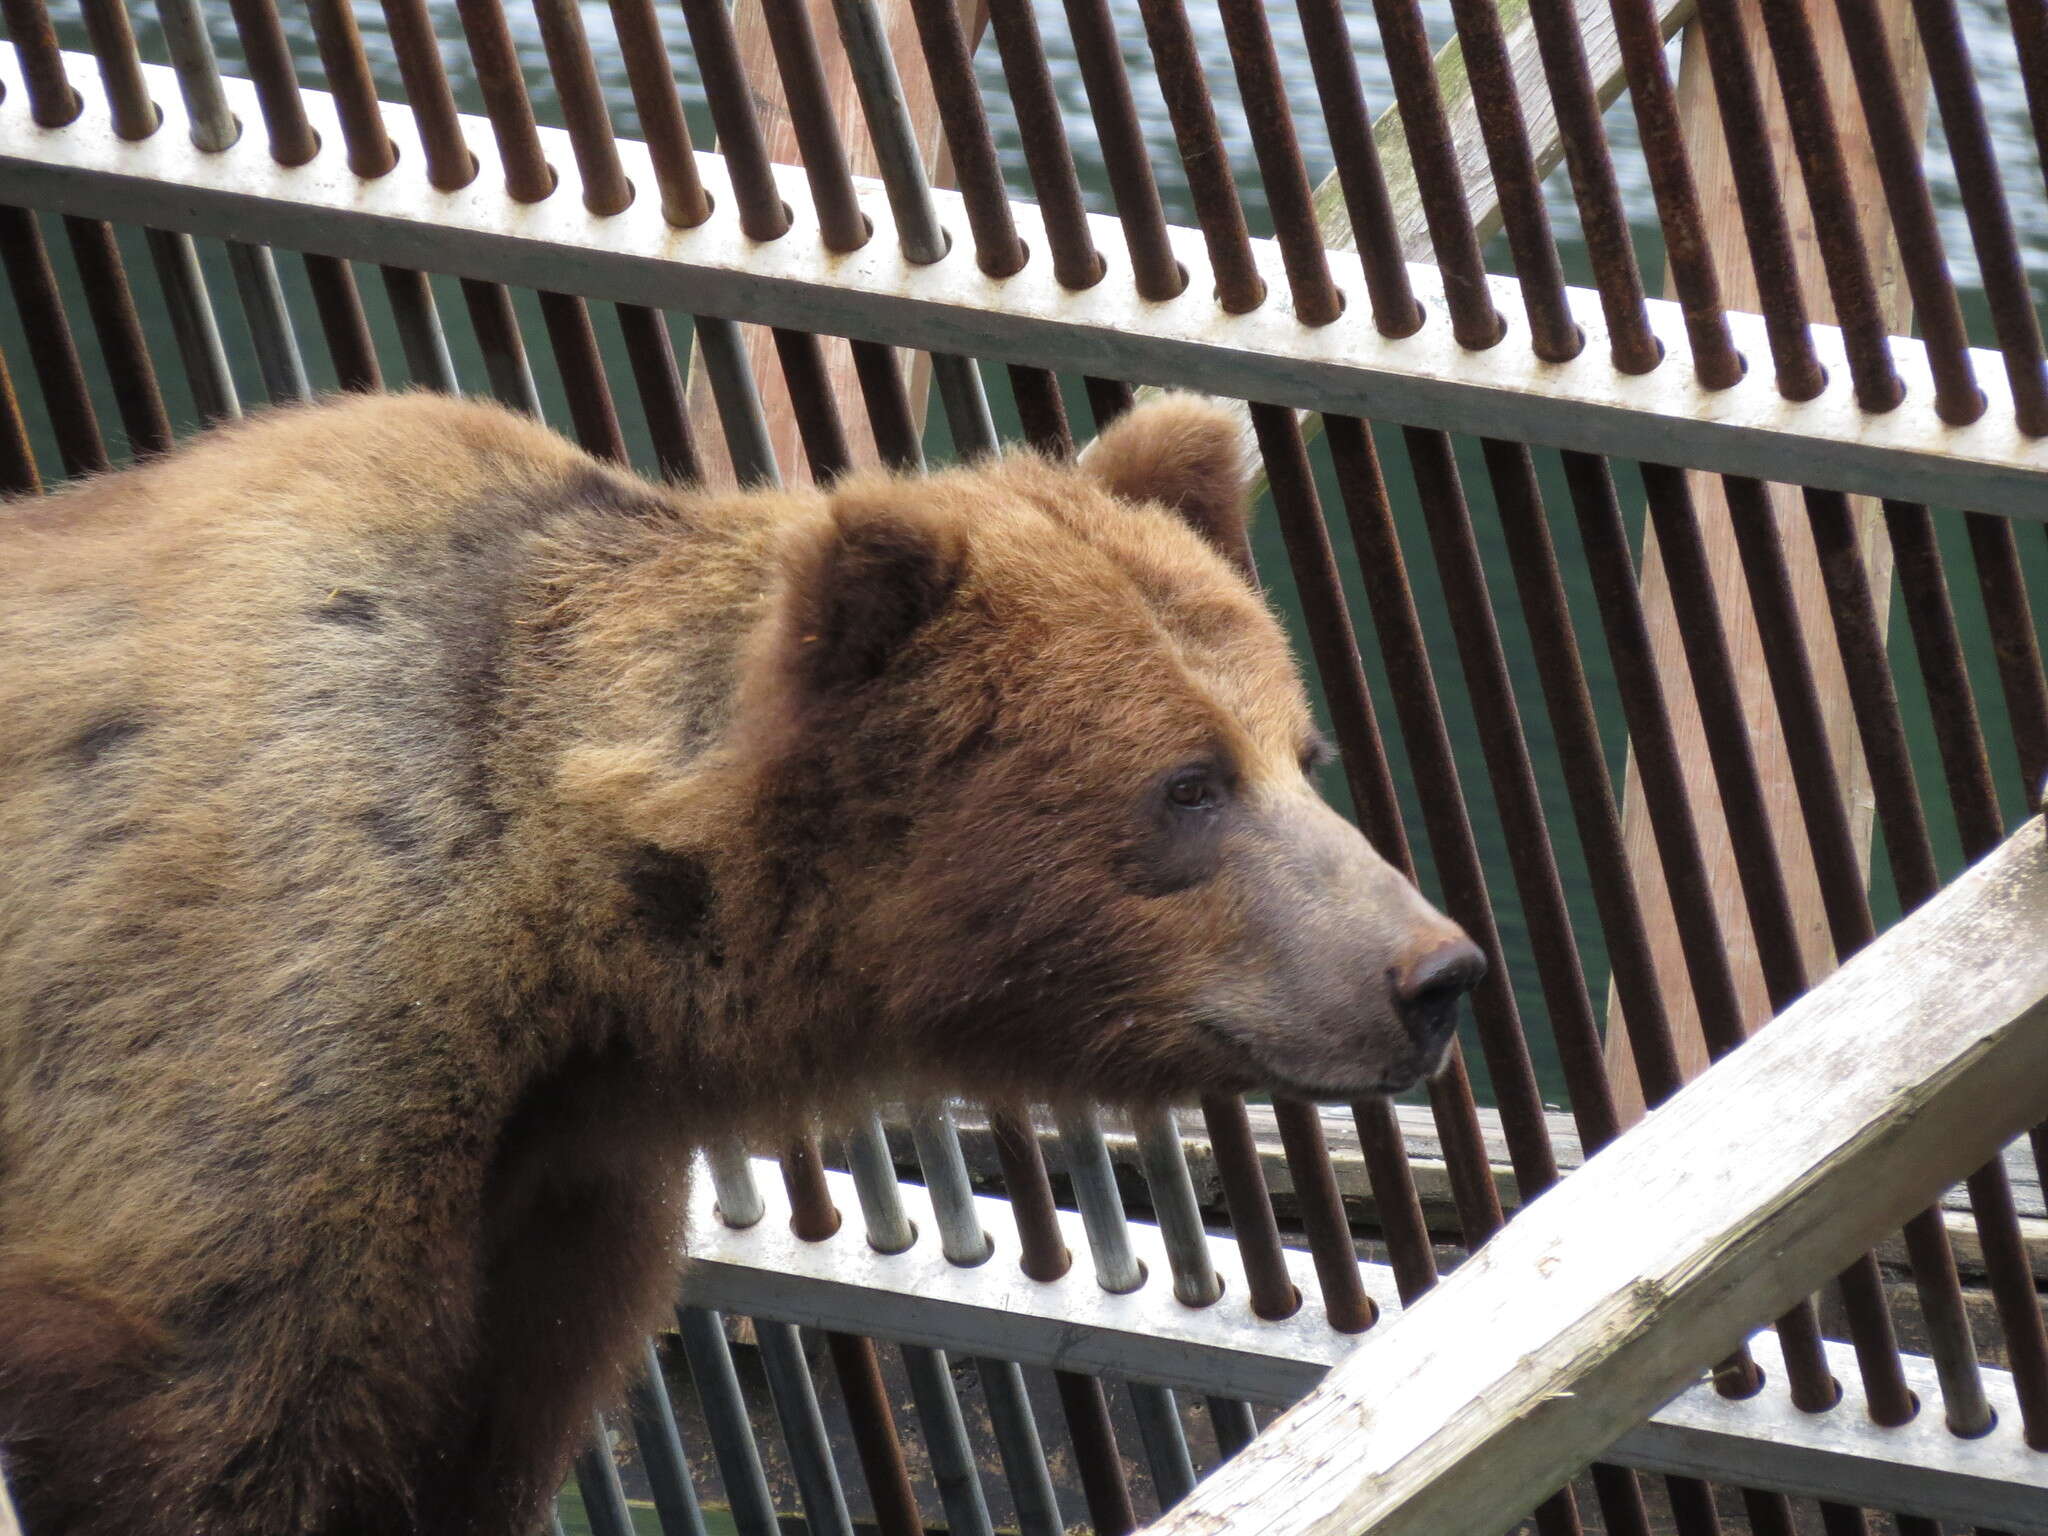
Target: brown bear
(419, 836)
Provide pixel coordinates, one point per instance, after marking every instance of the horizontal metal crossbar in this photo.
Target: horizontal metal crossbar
(918, 1297)
(949, 306)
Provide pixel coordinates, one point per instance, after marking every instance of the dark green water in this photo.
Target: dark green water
(2005, 106)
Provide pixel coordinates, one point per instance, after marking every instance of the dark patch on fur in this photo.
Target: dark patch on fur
(94, 744)
(673, 897)
(357, 609)
(391, 828)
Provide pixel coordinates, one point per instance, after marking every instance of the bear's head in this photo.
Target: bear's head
(1016, 798)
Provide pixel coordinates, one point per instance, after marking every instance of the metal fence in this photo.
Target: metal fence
(1372, 308)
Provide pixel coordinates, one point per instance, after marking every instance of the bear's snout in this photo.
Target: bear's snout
(1427, 989)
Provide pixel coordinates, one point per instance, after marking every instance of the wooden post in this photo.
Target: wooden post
(1910, 1065)
(757, 54)
(1738, 284)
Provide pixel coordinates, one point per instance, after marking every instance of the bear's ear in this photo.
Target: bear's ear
(1186, 453)
(880, 571)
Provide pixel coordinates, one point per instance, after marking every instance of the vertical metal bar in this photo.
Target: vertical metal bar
(1239, 288)
(661, 1449)
(812, 1215)
(605, 187)
(1116, 1267)
(1108, 1496)
(961, 1237)
(840, 222)
(420, 335)
(1042, 130)
(1273, 1293)
(450, 163)
(739, 401)
(1896, 148)
(370, 151)
(18, 474)
(873, 1423)
(205, 359)
(581, 365)
(496, 324)
(1044, 1255)
(350, 345)
(684, 202)
(214, 126)
(1316, 299)
(1739, 101)
(1195, 1282)
(945, 1434)
(917, 221)
(659, 382)
(803, 1428)
(1552, 334)
(725, 1417)
(270, 325)
(1023, 1453)
(495, 60)
(997, 249)
(1326, 37)
(1438, 180)
(1126, 158)
(67, 400)
(1157, 1411)
(2003, 272)
(267, 55)
(1602, 220)
(597, 1480)
(732, 1177)
(113, 45)
(763, 215)
(51, 100)
(123, 346)
(1716, 363)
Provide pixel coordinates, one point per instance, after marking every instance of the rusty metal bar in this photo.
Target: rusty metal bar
(1739, 100)
(659, 382)
(18, 474)
(1317, 300)
(2002, 271)
(450, 163)
(840, 221)
(67, 401)
(1327, 37)
(339, 303)
(494, 60)
(1552, 333)
(52, 101)
(998, 250)
(1715, 361)
(762, 213)
(113, 44)
(370, 151)
(684, 202)
(1245, 1197)
(1610, 247)
(1239, 288)
(605, 187)
(1475, 321)
(267, 56)
(581, 365)
(1042, 129)
(1126, 157)
(123, 347)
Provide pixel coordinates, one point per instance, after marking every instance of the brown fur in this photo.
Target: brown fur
(418, 837)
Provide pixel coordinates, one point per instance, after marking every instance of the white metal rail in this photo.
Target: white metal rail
(950, 306)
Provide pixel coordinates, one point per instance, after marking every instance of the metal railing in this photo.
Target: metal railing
(563, 221)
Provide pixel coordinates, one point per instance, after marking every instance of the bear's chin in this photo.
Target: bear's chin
(1326, 1085)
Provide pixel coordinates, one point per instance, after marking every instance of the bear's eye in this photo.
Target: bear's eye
(1194, 789)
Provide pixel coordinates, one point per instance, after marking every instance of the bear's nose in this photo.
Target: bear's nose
(1428, 989)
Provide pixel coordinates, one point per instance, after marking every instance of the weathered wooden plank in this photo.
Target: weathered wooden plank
(1911, 1064)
